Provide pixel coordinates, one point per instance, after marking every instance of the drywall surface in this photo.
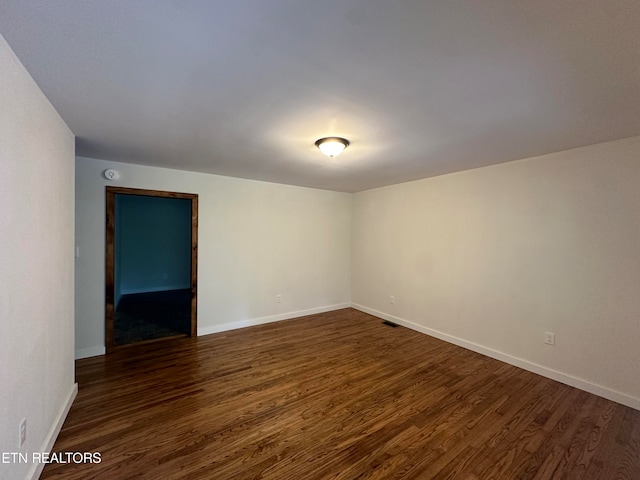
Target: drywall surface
(494, 257)
(256, 240)
(36, 261)
(152, 244)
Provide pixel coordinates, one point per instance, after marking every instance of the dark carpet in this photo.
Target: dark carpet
(147, 316)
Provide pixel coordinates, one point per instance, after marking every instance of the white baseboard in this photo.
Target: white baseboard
(570, 380)
(250, 322)
(50, 439)
(101, 350)
(90, 352)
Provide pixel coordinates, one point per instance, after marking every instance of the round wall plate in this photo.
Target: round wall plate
(111, 174)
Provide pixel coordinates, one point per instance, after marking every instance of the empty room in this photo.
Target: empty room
(300, 240)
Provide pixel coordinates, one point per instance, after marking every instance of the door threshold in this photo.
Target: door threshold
(150, 341)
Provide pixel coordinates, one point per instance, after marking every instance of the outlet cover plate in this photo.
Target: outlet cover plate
(550, 338)
(23, 433)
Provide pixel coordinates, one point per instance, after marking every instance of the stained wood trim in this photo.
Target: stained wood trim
(150, 193)
(109, 308)
(194, 265)
(111, 193)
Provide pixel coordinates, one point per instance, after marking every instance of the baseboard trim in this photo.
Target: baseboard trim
(36, 469)
(570, 380)
(95, 351)
(90, 352)
(250, 322)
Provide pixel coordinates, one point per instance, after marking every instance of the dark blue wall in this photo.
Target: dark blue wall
(153, 244)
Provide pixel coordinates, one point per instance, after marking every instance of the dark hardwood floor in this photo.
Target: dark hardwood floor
(337, 395)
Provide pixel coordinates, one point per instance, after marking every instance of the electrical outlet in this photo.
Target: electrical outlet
(278, 298)
(23, 433)
(550, 338)
(392, 300)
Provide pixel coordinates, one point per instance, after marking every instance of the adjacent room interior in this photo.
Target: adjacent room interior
(151, 264)
(450, 293)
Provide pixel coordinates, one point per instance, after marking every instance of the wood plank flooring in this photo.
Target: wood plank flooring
(335, 396)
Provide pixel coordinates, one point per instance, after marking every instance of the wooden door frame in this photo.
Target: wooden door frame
(111, 193)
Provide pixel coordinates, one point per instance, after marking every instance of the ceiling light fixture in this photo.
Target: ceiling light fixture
(332, 146)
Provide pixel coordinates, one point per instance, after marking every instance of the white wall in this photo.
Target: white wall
(494, 257)
(256, 240)
(36, 265)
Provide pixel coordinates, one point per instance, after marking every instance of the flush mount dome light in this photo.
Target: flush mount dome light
(332, 146)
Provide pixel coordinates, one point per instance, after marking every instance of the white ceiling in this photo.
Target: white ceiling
(245, 87)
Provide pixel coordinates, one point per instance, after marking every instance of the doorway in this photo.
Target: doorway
(151, 266)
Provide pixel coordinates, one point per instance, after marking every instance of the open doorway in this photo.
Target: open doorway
(151, 266)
